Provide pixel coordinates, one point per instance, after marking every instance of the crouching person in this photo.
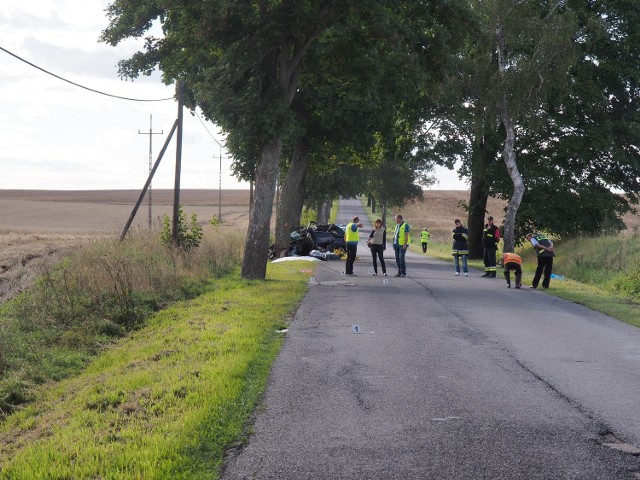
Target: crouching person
(512, 261)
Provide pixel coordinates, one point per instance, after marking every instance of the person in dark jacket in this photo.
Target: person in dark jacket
(460, 248)
(490, 239)
(378, 243)
(545, 252)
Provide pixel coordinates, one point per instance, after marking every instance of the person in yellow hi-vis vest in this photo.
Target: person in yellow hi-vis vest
(401, 240)
(351, 238)
(424, 239)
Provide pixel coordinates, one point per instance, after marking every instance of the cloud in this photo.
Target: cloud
(17, 19)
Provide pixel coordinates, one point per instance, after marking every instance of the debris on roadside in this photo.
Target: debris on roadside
(324, 242)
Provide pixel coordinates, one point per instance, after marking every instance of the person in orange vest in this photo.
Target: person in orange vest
(512, 261)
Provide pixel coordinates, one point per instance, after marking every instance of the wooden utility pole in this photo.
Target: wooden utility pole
(151, 133)
(220, 187)
(176, 187)
(148, 182)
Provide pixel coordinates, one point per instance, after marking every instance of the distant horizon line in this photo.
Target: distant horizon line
(167, 189)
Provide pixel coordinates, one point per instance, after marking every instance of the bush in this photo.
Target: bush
(189, 234)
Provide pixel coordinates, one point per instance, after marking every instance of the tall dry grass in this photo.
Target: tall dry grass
(99, 292)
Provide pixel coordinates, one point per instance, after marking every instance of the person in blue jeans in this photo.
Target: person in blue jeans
(460, 247)
(400, 244)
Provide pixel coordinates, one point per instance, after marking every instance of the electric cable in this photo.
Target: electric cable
(195, 112)
(205, 127)
(82, 86)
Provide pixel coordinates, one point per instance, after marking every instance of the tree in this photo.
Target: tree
(516, 58)
(241, 62)
(583, 168)
(358, 75)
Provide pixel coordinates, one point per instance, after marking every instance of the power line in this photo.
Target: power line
(81, 86)
(205, 127)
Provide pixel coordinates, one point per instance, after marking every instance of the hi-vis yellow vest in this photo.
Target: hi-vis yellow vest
(352, 236)
(424, 236)
(401, 232)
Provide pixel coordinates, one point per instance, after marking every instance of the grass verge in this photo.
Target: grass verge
(166, 401)
(103, 290)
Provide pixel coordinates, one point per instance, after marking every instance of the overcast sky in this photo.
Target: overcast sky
(56, 136)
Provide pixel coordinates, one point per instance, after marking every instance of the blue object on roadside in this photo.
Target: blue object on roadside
(557, 277)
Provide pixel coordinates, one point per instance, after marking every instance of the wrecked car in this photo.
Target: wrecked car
(314, 237)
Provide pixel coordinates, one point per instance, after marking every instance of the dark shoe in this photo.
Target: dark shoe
(492, 275)
(509, 285)
(531, 286)
(403, 274)
(518, 287)
(375, 274)
(485, 275)
(397, 275)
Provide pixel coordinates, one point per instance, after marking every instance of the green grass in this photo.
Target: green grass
(78, 307)
(166, 401)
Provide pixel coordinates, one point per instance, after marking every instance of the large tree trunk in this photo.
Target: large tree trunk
(323, 213)
(256, 246)
(287, 215)
(509, 154)
(477, 208)
(485, 149)
(286, 59)
(482, 156)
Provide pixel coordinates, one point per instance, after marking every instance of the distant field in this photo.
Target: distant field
(106, 211)
(38, 226)
(440, 208)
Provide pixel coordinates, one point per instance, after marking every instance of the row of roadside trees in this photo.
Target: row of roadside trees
(533, 101)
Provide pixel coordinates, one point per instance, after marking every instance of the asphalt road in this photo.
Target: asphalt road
(447, 378)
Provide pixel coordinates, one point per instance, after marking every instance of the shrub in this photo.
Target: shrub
(189, 233)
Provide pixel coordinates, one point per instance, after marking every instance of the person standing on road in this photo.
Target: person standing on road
(490, 239)
(400, 244)
(351, 239)
(512, 261)
(378, 243)
(460, 248)
(545, 252)
(424, 239)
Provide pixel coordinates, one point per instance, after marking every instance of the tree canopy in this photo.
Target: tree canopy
(363, 97)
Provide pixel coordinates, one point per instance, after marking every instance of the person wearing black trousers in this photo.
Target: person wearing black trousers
(544, 250)
(490, 239)
(378, 243)
(351, 239)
